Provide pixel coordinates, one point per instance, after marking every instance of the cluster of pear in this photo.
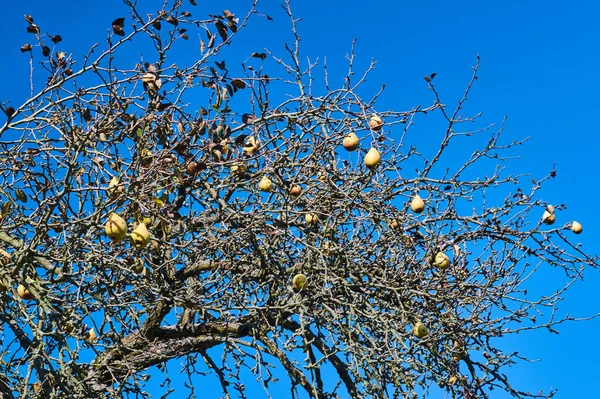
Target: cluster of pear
(116, 230)
(549, 217)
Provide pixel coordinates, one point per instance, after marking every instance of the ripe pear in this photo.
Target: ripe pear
(417, 204)
(265, 184)
(114, 188)
(140, 236)
(350, 142)
(116, 227)
(251, 146)
(295, 191)
(394, 224)
(420, 330)
(372, 159)
(299, 282)
(24, 293)
(90, 336)
(311, 218)
(576, 227)
(375, 123)
(548, 218)
(441, 260)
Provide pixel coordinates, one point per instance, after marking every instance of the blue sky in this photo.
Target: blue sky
(539, 61)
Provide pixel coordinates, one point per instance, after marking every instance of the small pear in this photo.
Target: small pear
(375, 123)
(441, 260)
(265, 184)
(372, 159)
(420, 330)
(239, 168)
(295, 191)
(299, 282)
(311, 218)
(394, 224)
(24, 293)
(147, 157)
(114, 188)
(350, 142)
(116, 227)
(90, 336)
(417, 204)
(140, 236)
(250, 146)
(548, 218)
(576, 227)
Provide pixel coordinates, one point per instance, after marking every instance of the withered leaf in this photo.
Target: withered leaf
(228, 14)
(427, 79)
(433, 75)
(202, 46)
(248, 119)
(192, 2)
(262, 56)
(162, 106)
(26, 47)
(156, 24)
(118, 25)
(56, 39)
(172, 20)
(221, 65)
(87, 115)
(238, 84)
(29, 18)
(33, 28)
(45, 51)
(9, 111)
(268, 17)
(186, 14)
(222, 29)
(232, 26)
(184, 36)
(241, 139)
(203, 111)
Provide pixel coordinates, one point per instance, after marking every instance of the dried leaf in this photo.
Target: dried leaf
(29, 18)
(427, 79)
(221, 65)
(222, 29)
(228, 14)
(156, 24)
(26, 47)
(56, 39)
(433, 75)
(186, 14)
(232, 26)
(202, 46)
(192, 2)
(45, 51)
(118, 25)
(33, 28)
(184, 36)
(9, 111)
(262, 56)
(238, 84)
(172, 20)
(268, 17)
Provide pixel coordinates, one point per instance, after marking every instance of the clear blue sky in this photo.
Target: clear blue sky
(539, 67)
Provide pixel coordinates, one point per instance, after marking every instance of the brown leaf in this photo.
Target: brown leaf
(186, 14)
(262, 56)
(33, 28)
(433, 75)
(118, 25)
(268, 18)
(232, 26)
(9, 111)
(192, 2)
(222, 29)
(221, 65)
(45, 51)
(202, 46)
(26, 47)
(427, 79)
(29, 18)
(238, 84)
(56, 39)
(172, 20)
(228, 14)
(156, 24)
(184, 36)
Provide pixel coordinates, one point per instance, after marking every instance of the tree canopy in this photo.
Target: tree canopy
(240, 214)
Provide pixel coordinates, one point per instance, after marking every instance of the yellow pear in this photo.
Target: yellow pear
(350, 142)
(265, 184)
(295, 191)
(116, 227)
(140, 236)
(239, 168)
(24, 293)
(90, 336)
(420, 330)
(251, 146)
(417, 204)
(452, 380)
(441, 260)
(394, 224)
(114, 188)
(550, 209)
(299, 282)
(576, 227)
(311, 218)
(375, 123)
(372, 159)
(147, 157)
(548, 218)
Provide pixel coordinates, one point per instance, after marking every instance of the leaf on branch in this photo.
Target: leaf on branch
(222, 29)
(45, 51)
(432, 75)
(192, 2)
(29, 19)
(156, 24)
(268, 17)
(427, 79)
(9, 111)
(33, 28)
(228, 14)
(56, 39)
(172, 20)
(262, 56)
(238, 84)
(186, 14)
(183, 35)
(118, 25)
(26, 47)
(221, 65)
